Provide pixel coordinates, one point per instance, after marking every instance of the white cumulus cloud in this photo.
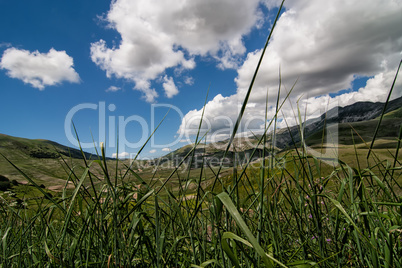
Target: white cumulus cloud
(122, 155)
(324, 45)
(169, 87)
(188, 80)
(113, 89)
(166, 150)
(152, 151)
(39, 69)
(160, 34)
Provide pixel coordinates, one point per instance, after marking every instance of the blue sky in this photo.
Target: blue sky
(139, 57)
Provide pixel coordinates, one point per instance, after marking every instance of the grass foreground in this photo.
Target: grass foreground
(288, 212)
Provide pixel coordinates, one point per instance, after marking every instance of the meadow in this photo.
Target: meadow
(288, 209)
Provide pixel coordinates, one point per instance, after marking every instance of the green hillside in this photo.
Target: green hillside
(45, 161)
(361, 132)
(394, 114)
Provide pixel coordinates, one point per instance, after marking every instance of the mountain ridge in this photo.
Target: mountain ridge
(356, 112)
(286, 137)
(43, 149)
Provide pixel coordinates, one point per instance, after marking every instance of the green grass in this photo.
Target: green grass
(311, 216)
(394, 114)
(288, 210)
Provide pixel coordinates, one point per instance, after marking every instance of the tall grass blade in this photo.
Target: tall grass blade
(231, 208)
(243, 107)
(383, 110)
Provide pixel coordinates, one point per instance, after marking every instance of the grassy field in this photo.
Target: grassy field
(293, 211)
(289, 209)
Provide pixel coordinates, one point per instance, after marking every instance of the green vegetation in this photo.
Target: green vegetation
(289, 209)
(295, 208)
(394, 114)
(40, 159)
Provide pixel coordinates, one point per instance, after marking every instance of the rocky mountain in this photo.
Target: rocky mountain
(357, 112)
(212, 154)
(361, 116)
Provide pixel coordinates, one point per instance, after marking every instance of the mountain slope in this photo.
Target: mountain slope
(39, 159)
(357, 112)
(360, 116)
(212, 154)
(38, 148)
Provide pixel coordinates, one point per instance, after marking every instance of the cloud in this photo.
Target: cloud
(188, 80)
(169, 87)
(152, 151)
(39, 69)
(121, 155)
(113, 89)
(158, 35)
(166, 150)
(5, 44)
(324, 46)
